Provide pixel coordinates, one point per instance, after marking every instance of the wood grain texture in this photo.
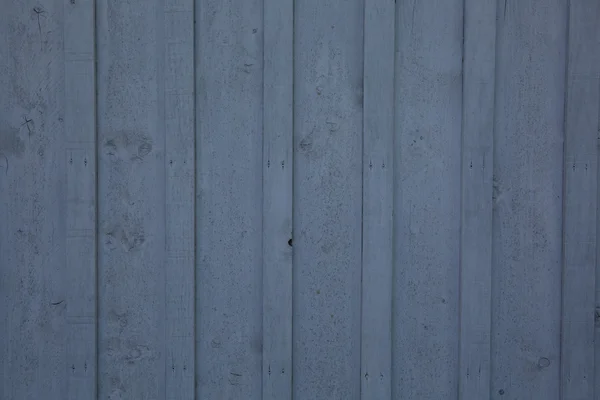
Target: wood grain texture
(597, 282)
(328, 85)
(378, 200)
(476, 194)
(131, 155)
(386, 200)
(33, 286)
(179, 114)
(277, 167)
(427, 199)
(230, 198)
(527, 218)
(580, 201)
(80, 162)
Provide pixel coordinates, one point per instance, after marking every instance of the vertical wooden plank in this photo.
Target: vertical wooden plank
(131, 212)
(527, 210)
(6, 278)
(476, 208)
(180, 198)
(427, 198)
(278, 113)
(328, 123)
(597, 283)
(378, 200)
(229, 60)
(579, 207)
(80, 153)
(32, 183)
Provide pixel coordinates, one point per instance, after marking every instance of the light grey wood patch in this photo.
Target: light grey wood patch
(527, 200)
(229, 56)
(378, 200)
(278, 16)
(80, 161)
(580, 202)
(328, 124)
(476, 207)
(132, 231)
(32, 202)
(427, 198)
(180, 156)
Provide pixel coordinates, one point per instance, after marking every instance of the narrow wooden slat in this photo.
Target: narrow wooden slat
(80, 161)
(427, 198)
(597, 283)
(580, 201)
(33, 277)
(180, 199)
(476, 208)
(6, 277)
(378, 198)
(229, 114)
(328, 124)
(277, 199)
(131, 192)
(527, 203)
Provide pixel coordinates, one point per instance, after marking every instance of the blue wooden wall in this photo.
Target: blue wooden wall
(307, 199)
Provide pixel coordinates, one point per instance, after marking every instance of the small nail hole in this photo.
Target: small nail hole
(290, 242)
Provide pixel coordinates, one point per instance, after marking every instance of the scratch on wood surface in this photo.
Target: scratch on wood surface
(27, 121)
(39, 10)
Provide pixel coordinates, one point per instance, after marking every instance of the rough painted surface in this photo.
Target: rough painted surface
(277, 167)
(476, 201)
(180, 198)
(328, 77)
(580, 202)
(527, 217)
(81, 177)
(131, 209)
(229, 43)
(315, 199)
(33, 207)
(427, 198)
(378, 200)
